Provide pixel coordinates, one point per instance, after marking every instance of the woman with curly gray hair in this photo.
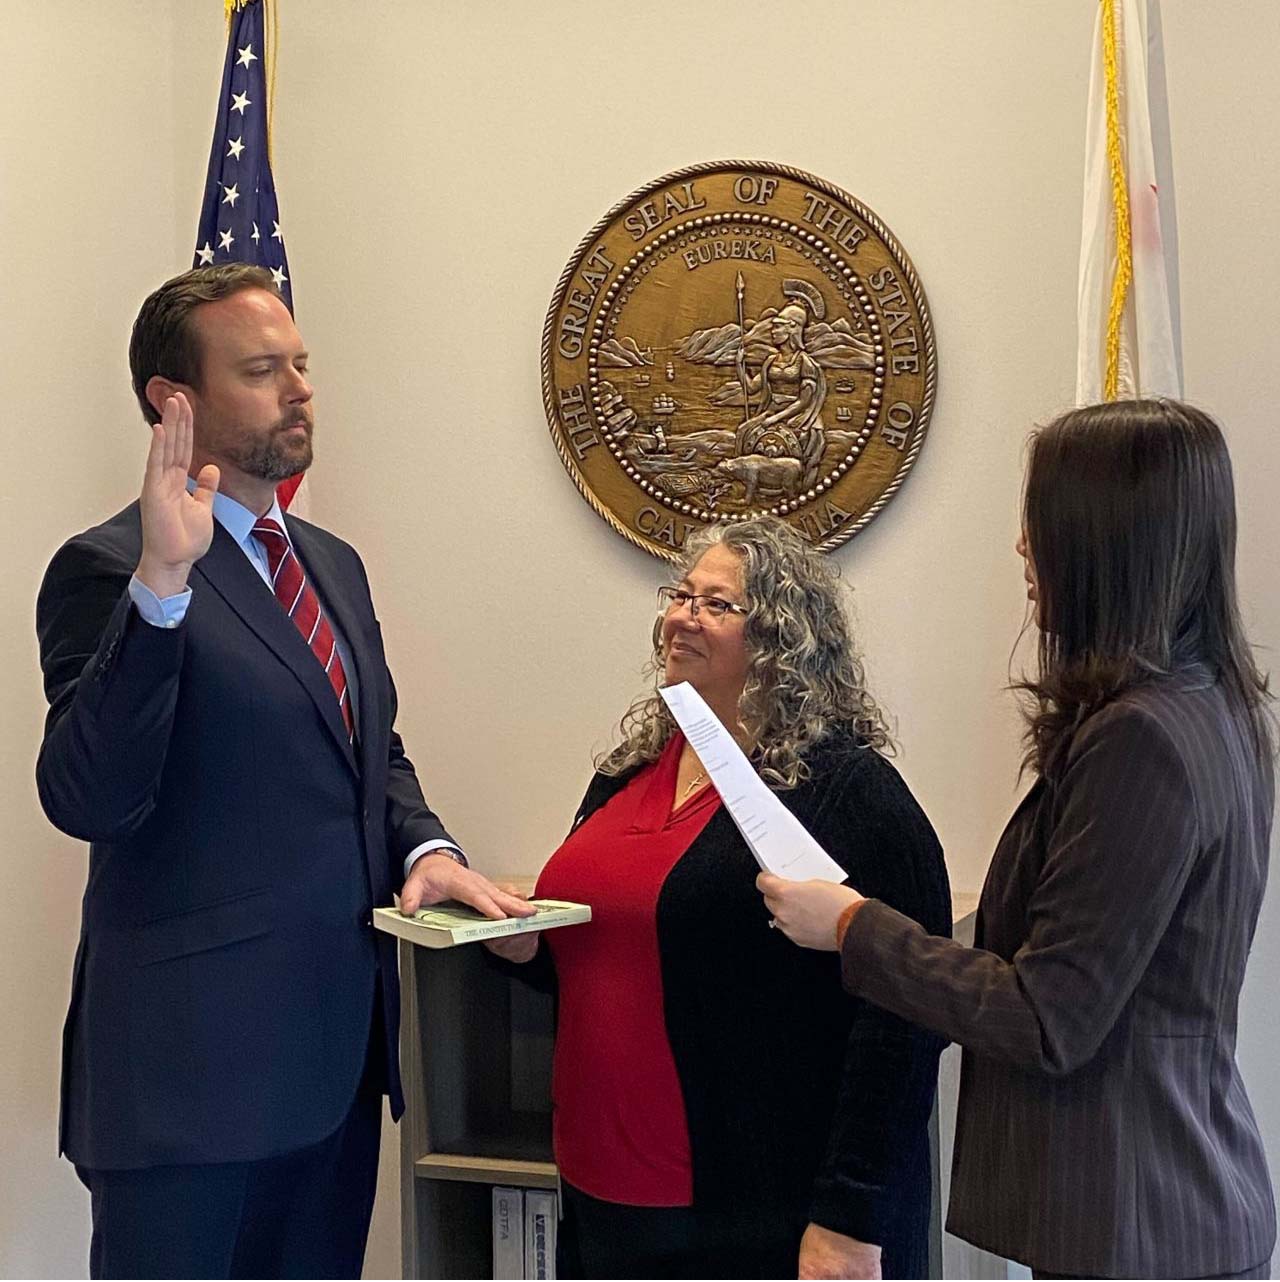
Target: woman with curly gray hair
(722, 1108)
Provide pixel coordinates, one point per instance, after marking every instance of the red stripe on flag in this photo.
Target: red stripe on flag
(287, 489)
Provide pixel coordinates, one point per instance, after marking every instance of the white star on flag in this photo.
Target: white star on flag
(277, 275)
(226, 240)
(239, 102)
(232, 195)
(234, 147)
(205, 253)
(247, 56)
(257, 235)
(277, 234)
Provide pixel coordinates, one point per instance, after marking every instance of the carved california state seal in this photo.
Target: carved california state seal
(736, 338)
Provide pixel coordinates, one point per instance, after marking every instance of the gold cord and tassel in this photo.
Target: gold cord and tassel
(1120, 202)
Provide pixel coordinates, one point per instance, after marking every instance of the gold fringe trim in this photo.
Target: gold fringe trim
(272, 28)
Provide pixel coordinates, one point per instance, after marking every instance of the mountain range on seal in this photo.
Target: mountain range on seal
(834, 346)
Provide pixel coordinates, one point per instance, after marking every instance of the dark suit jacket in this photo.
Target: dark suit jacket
(224, 982)
(1104, 1129)
(801, 1104)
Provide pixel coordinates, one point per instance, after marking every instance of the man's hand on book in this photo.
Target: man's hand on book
(514, 948)
(436, 877)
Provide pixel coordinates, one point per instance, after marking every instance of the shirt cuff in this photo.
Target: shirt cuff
(846, 917)
(427, 847)
(166, 612)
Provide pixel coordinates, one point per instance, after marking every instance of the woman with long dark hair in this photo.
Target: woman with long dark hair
(1103, 1127)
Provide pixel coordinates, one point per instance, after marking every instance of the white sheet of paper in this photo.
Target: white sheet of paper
(778, 840)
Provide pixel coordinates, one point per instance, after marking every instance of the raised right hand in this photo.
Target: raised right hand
(177, 526)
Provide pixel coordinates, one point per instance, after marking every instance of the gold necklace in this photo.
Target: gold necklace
(693, 783)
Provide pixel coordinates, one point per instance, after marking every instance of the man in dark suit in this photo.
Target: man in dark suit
(221, 730)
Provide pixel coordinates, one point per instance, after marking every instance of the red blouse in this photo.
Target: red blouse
(619, 1124)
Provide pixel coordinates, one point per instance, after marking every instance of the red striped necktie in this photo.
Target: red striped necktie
(301, 604)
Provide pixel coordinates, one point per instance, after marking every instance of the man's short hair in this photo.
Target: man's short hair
(164, 341)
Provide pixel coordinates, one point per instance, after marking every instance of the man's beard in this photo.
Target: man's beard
(274, 458)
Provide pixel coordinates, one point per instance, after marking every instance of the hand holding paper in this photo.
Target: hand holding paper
(777, 839)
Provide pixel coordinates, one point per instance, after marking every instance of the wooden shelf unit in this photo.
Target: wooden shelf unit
(476, 1055)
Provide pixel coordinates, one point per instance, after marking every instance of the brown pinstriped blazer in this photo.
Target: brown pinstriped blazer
(1103, 1126)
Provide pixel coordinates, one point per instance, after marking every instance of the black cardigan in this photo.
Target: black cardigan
(803, 1104)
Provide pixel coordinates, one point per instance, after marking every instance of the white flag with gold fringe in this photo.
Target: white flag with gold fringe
(1130, 343)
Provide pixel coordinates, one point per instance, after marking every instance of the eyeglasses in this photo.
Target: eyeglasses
(717, 608)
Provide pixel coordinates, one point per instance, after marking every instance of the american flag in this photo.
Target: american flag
(240, 217)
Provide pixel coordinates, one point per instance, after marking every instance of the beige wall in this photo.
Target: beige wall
(437, 164)
(87, 194)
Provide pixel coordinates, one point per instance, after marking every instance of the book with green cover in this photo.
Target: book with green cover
(444, 925)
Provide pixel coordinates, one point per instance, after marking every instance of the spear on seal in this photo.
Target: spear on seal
(742, 348)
